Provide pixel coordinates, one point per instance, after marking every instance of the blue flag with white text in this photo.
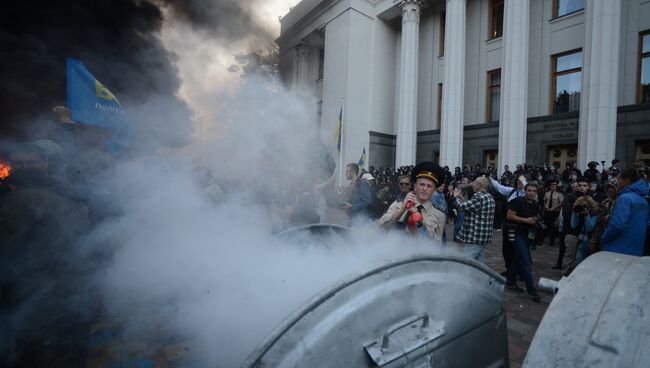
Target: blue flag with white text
(93, 104)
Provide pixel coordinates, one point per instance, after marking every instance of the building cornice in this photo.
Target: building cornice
(307, 19)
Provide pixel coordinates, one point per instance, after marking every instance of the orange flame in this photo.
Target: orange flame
(5, 170)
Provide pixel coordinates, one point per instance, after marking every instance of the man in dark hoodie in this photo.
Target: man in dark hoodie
(626, 228)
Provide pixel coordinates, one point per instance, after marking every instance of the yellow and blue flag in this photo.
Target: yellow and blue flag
(362, 160)
(93, 104)
(339, 131)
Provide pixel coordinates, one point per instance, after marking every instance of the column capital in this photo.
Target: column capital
(410, 10)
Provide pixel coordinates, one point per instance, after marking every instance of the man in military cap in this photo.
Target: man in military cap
(426, 176)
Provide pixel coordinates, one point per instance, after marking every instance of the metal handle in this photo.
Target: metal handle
(398, 326)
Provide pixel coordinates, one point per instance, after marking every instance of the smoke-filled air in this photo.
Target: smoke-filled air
(173, 240)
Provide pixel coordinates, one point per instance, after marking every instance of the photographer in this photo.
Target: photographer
(523, 212)
(510, 193)
(570, 233)
(583, 219)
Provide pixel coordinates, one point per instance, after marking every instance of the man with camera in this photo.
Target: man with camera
(416, 214)
(476, 229)
(570, 233)
(583, 219)
(523, 212)
(510, 193)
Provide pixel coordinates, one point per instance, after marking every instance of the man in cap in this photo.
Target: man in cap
(426, 176)
(476, 230)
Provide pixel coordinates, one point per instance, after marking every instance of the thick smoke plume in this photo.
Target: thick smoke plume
(167, 257)
(119, 41)
(214, 273)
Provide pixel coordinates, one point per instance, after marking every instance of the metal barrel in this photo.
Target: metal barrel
(421, 311)
(599, 317)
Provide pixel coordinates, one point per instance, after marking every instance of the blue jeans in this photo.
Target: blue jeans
(583, 251)
(521, 264)
(475, 251)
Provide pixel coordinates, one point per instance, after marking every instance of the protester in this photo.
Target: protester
(552, 204)
(476, 231)
(360, 197)
(570, 233)
(510, 193)
(404, 187)
(523, 212)
(627, 225)
(426, 176)
(583, 219)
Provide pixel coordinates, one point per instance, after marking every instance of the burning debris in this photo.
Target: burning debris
(5, 169)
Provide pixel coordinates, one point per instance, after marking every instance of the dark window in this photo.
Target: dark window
(564, 7)
(493, 94)
(496, 19)
(643, 86)
(566, 81)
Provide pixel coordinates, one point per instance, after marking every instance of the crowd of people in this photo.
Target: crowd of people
(580, 212)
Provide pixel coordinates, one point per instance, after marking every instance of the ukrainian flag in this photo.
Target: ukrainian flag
(362, 160)
(92, 103)
(339, 131)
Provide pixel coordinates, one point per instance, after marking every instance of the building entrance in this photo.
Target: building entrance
(560, 156)
(491, 158)
(643, 151)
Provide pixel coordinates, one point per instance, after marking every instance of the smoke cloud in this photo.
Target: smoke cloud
(167, 260)
(120, 42)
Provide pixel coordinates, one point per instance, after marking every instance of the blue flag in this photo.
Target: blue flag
(362, 160)
(93, 104)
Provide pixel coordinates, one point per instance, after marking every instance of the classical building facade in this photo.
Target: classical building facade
(475, 81)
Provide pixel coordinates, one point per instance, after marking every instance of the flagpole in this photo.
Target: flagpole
(341, 169)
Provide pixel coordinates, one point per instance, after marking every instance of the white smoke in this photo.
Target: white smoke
(213, 274)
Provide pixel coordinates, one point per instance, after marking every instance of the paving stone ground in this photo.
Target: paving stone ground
(524, 315)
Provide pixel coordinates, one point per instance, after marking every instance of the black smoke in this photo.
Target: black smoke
(119, 42)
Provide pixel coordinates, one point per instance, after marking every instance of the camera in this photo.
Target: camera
(580, 208)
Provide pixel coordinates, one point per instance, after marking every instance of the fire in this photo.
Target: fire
(5, 170)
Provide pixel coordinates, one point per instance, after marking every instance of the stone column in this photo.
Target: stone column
(408, 84)
(598, 98)
(453, 88)
(513, 113)
(301, 75)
